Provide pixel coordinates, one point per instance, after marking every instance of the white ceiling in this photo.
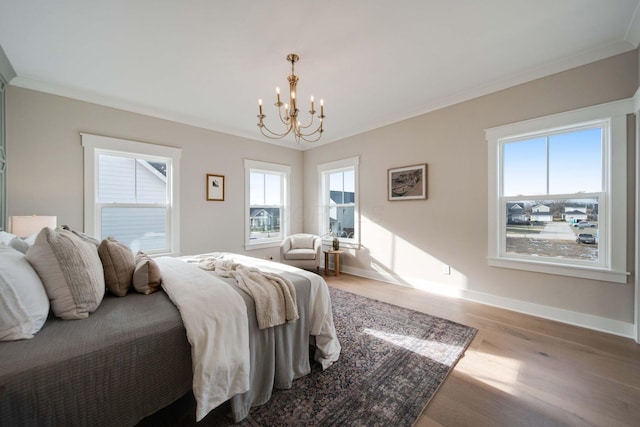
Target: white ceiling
(374, 62)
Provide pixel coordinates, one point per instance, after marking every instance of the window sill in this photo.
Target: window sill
(561, 270)
(264, 245)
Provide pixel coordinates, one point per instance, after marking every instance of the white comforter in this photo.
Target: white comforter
(321, 322)
(215, 318)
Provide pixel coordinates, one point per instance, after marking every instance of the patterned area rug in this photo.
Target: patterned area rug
(392, 362)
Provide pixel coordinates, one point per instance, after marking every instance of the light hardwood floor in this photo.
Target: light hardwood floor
(521, 370)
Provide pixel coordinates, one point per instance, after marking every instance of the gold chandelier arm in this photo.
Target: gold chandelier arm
(271, 134)
(318, 131)
(318, 134)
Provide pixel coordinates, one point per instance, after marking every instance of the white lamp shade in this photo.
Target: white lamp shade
(25, 226)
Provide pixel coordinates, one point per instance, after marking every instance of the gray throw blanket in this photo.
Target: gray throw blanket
(274, 295)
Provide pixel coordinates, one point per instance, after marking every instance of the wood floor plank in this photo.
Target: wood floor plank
(521, 370)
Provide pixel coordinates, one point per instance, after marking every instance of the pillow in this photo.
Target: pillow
(23, 244)
(19, 244)
(302, 241)
(70, 270)
(24, 305)
(146, 276)
(82, 235)
(5, 237)
(118, 264)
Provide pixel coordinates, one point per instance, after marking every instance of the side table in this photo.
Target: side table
(336, 261)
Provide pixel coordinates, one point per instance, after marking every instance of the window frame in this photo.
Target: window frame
(94, 145)
(324, 170)
(613, 240)
(285, 188)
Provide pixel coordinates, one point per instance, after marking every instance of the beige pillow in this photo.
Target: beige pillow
(70, 270)
(146, 276)
(302, 241)
(82, 235)
(118, 264)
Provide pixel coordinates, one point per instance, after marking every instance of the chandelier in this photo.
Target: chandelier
(289, 115)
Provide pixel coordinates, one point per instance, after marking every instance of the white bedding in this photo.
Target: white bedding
(214, 316)
(321, 319)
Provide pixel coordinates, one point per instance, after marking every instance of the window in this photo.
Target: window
(267, 190)
(3, 159)
(339, 200)
(552, 187)
(131, 193)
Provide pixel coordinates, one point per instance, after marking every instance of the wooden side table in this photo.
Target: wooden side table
(336, 261)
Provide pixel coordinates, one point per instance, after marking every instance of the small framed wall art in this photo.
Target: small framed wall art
(407, 182)
(215, 187)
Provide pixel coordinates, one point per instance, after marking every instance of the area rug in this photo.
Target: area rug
(392, 362)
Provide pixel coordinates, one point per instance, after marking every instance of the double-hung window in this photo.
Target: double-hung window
(557, 193)
(267, 195)
(339, 216)
(131, 193)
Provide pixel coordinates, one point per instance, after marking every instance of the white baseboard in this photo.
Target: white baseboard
(583, 320)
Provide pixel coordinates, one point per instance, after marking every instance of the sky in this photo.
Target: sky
(574, 164)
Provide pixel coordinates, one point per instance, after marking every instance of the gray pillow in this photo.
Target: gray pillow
(19, 244)
(70, 270)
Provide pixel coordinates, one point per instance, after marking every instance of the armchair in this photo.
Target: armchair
(302, 251)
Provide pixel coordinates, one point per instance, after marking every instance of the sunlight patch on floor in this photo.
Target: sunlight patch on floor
(436, 351)
(497, 371)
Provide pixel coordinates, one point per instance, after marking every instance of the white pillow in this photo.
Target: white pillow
(70, 270)
(24, 305)
(5, 237)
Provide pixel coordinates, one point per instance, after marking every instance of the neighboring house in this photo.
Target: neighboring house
(516, 214)
(575, 213)
(341, 219)
(541, 213)
(127, 213)
(265, 219)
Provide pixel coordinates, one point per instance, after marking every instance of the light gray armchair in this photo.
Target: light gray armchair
(302, 251)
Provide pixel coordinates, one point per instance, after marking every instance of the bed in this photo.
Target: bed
(133, 355)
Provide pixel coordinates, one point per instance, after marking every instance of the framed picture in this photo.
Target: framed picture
(408, 183)
(215, 187)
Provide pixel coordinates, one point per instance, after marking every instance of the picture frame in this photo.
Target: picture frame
(215, 187)
(407, 183)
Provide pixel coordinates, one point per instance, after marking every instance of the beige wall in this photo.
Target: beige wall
(45, 166)
(409, 242)
(404, 242)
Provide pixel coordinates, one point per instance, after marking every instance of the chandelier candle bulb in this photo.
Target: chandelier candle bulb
(260, 105)
(278, 94)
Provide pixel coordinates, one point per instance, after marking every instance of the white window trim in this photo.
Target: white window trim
(614, 267)
(254, 165)
(96, 144)
(351, 162)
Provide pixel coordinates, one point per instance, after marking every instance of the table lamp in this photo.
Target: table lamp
(25, 226)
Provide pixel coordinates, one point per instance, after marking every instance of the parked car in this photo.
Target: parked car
(585, 224)
(585, 238)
